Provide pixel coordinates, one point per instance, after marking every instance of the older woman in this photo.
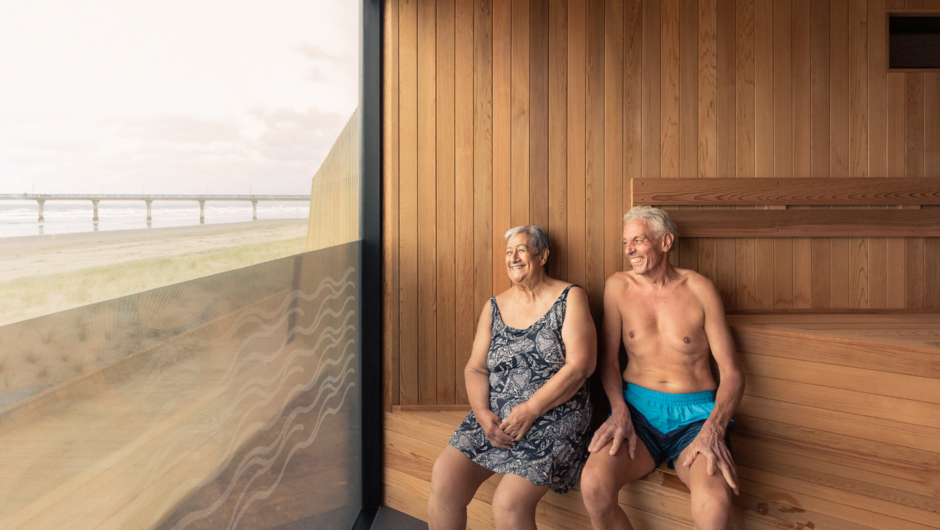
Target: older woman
(534, 349)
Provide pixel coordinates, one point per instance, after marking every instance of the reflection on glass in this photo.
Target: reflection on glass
(230, 401)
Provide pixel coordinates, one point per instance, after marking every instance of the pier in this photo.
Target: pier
(148, 199)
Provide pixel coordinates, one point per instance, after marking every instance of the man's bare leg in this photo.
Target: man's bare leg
(514, 503)
(454, 481)
(711, 494)
(602, 478)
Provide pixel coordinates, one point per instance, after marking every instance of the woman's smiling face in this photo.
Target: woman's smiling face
(521, 260)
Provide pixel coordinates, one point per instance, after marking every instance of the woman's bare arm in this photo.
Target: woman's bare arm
(477, 378)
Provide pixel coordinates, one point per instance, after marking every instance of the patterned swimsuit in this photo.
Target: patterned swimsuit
(520, 361)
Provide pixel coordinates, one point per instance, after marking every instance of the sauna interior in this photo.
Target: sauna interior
(804, 175)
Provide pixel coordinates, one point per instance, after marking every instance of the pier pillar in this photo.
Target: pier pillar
(41, 202)
(202, 212)
(254, 210)
(95, 202)
(149, 202)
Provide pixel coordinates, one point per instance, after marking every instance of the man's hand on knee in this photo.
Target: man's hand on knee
(710, 444)
(618, 427)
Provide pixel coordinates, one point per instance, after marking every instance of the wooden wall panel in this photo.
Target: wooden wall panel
(507, 112)
(427, 201)
(502, 139)
(390, 222)
(538, 114)
(595, 167)
(446, 205)
(408, 199)
(501, 113)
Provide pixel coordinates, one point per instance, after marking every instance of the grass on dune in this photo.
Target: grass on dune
(38, 295)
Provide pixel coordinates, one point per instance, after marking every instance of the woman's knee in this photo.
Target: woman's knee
(508, 508)
(454, 480)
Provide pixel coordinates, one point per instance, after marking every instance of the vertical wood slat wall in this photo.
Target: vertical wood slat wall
(507, 112)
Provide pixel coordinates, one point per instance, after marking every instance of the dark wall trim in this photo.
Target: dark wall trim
(370, 226)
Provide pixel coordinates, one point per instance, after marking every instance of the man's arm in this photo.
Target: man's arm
(710, 440)
(619, 426)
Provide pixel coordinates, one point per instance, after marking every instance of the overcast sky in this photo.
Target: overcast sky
(177, 96)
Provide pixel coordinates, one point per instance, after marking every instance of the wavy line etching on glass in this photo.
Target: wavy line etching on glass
(240, 413)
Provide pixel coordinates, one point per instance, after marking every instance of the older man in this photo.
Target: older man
(671, 321)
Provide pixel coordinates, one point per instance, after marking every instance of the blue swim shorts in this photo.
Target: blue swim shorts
(667, 423)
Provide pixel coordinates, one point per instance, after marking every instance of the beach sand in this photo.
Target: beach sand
(39, 255)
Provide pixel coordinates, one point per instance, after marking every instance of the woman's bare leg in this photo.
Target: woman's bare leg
(454, 481)
(514, 503)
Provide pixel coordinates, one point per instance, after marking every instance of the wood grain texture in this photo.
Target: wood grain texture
(651, 114)
(744, 89)
(594, 171)
(391, 215)
(408, 199)
(914, 267)
(538, 114)
(577, 73)
(482, 153)
(446, 348)
(839, 89)
(427, 202)
(632, 102)
(727, 91)
(931, 280)
(932, 124)
(464, 277)
(581, 97)
(558, 137)
(765, 64)
(896, 129)
(786, 192)
(502, 140)
(809, 223)
(669, 76)
(914, 125)
(613, 136)
(707, 54)
(688, 88)
(520, 90)
(833, 428)
(819, 79)
(801, 91)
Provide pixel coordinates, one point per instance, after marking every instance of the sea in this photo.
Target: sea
(21, 218)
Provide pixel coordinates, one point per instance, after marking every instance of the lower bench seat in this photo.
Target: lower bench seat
(838, 429)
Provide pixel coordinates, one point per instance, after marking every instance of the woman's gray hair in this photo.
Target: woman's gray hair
(657, 220)
(537, 237)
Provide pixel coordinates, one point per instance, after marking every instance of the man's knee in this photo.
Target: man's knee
(711, 505)
(598, 488)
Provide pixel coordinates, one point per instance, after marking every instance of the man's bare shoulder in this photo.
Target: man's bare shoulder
(699, 285)
(619, 282)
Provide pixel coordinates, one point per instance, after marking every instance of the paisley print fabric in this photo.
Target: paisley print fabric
(520, 362)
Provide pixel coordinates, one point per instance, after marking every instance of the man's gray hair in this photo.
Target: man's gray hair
(657, 220)
(537, 237)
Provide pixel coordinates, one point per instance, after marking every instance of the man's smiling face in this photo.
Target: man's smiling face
(639, 246)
